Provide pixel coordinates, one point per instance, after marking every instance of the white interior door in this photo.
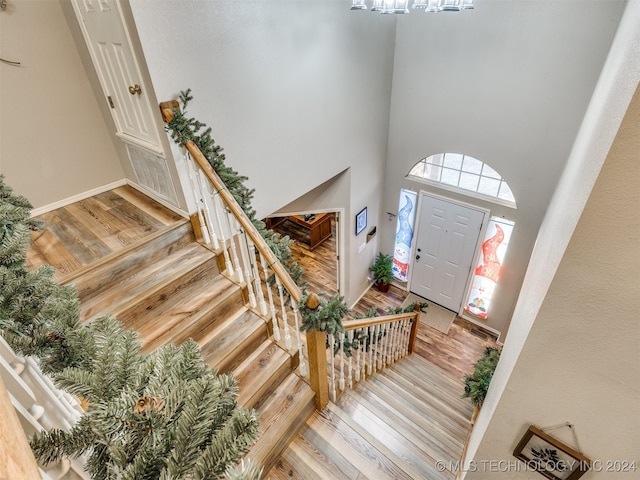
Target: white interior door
(103, 28)
(445, 249)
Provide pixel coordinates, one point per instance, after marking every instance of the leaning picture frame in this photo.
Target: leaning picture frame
(550, 457)
(361, 221)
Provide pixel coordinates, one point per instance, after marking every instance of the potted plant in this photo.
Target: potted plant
(382, 272)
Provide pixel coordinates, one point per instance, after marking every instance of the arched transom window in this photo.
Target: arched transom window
(462, 172)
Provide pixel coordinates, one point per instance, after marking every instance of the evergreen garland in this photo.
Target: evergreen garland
(476, 384)
(182, 129)
(163, 415)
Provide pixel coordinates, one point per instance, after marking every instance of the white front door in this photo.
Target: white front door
(103, 28)
(446, 244)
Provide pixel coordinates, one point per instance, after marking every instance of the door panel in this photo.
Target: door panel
(445, 249)
(117, 69)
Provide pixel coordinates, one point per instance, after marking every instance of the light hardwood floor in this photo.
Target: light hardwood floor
(84, 233)
(454, 352)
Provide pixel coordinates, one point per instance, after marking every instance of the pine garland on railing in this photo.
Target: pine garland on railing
(182, 129)
(162, 415)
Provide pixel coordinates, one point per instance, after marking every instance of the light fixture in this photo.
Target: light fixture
(402, 6)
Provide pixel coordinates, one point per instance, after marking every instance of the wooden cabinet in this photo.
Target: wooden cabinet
(318, 225)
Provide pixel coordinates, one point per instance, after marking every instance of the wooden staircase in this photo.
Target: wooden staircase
(169, 288)
(406, 422)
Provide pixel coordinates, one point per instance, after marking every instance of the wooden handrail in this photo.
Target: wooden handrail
(167, 109)
(16, 457)
(368, 322)
(245, 222)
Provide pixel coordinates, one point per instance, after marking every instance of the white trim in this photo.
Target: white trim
(104, 188)
(475, 321)
(153, 195)
(141, 143)
(483, 229)
(462, 191)
(360, 297)
(76, 198)
(340, 239)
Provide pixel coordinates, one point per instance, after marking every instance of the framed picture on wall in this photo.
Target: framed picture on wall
(361, 221)
(550, 457)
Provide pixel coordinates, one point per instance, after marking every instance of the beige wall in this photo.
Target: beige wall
(581, 361)
(296, 92)
(54, 143)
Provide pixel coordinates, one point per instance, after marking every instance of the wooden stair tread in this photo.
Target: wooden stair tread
(143, 282)
(171, 233)
(429, 418)
(418, 443)
(176, 296)
(194, 315)
(219, 346)
(281, 414)
(261, 371)
(418, 377)
(310, 463)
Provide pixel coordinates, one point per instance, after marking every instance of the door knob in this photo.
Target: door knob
(135, 89)
(417, 257)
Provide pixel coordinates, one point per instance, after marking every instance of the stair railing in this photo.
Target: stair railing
(247, 259)
(364, 347)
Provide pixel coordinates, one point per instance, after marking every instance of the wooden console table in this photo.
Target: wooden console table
(319, 226)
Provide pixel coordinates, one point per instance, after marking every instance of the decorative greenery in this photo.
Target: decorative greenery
(182, 129)
(476, 385)
(163, 415)
(381, 269)
(326, 317)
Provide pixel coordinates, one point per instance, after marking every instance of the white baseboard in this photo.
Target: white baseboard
(76, 198)
(362, 295)
(484, 326)
(104, 188)
(151, 194)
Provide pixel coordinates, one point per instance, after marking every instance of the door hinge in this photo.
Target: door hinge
(111, 102)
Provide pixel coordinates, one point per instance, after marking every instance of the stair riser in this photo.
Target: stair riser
(241, 350)
(129, 262)
(196, 326)
(269, 385)
(153, 306)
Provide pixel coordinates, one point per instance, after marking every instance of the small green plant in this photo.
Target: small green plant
(381, 270)
(477, 384)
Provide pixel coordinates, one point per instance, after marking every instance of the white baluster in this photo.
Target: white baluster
(407, 328)
(207, 201)
(6, 352)
(283, 309)
(342, 361)
(385, 345)
(198, 200)
(378, 348)
(353, 352)
(363, 348)
(256, 276)
(332, 369)
(218, 205)
(248, 270)
(232, 243)
(372, 334)
(304, 370)
(71, 411)
(274, 316)
(393, 342)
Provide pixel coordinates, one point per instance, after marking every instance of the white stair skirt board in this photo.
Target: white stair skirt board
(436, 316)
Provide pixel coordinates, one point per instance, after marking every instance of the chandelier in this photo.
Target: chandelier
(402, 6)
